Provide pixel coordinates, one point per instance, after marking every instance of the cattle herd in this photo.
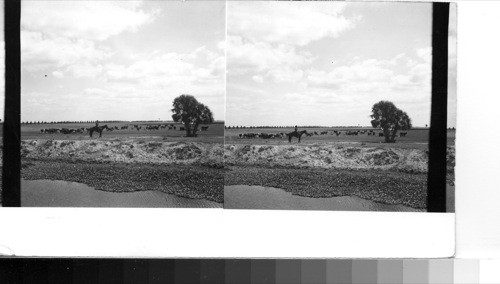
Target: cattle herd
(280, 135)
(83, 130)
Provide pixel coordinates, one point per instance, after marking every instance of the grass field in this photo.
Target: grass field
(415, 139)
(214, 133)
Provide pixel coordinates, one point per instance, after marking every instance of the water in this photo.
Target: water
(50, 193)
(258, 197)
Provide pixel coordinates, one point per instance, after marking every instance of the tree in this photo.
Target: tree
(390, 119)
(192, 113)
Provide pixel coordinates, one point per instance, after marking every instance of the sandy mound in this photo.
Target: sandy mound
(330, 156)
(124, 151)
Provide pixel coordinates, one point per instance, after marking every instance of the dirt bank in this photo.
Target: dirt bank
(128, 151)
(331, 157)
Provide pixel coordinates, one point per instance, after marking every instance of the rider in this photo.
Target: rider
(97, 123)
(296, 128)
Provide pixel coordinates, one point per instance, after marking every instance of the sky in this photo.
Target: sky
(120, 60)
(326, 63)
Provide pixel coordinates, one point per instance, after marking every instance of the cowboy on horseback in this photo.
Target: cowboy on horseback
(296, 134)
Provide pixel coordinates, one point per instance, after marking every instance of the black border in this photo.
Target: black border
(436, 180)
(11, 171)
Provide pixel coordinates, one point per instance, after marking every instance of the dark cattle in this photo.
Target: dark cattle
(152, 127)
(67, 131)
(182, 129)
(402, 134)
(266, 136)
(351, 132)
(250, 135)
(381, 134)
(204, 128)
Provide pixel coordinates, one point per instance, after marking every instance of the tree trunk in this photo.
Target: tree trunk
(387, 134)
(188, 129)
(393, 135)
(195, 129)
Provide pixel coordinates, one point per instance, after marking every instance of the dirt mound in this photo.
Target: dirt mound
(130, 151)
(327, 156)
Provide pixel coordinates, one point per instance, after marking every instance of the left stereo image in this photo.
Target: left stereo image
(122, 104)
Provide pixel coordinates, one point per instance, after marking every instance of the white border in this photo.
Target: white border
(224, 233)
(478, 135)
(216, 233)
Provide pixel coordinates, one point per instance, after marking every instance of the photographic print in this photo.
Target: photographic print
(329, 106)
(122, 103)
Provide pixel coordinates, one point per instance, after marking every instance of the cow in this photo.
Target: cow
(204, 128)
(266, 135)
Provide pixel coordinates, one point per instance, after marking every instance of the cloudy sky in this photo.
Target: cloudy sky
(326, 63)
(120, 60)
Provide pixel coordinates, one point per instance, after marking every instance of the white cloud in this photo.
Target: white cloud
(91, 20)
(279, 61)
(85, 70)
(265, 38)
(258, 78)
(163, 69)
(425, 54)
(39, 52)
(169, 73)
(58, 74)
(57, 34)
(374, 75)
(294, 23)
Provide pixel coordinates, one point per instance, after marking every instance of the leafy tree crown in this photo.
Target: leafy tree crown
(188, 110)
(386, 115)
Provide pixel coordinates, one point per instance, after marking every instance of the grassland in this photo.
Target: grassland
(330, 165)
(128, 160)
(214, 133)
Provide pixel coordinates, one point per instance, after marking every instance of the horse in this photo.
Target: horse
(297, 134)
(98, 129)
